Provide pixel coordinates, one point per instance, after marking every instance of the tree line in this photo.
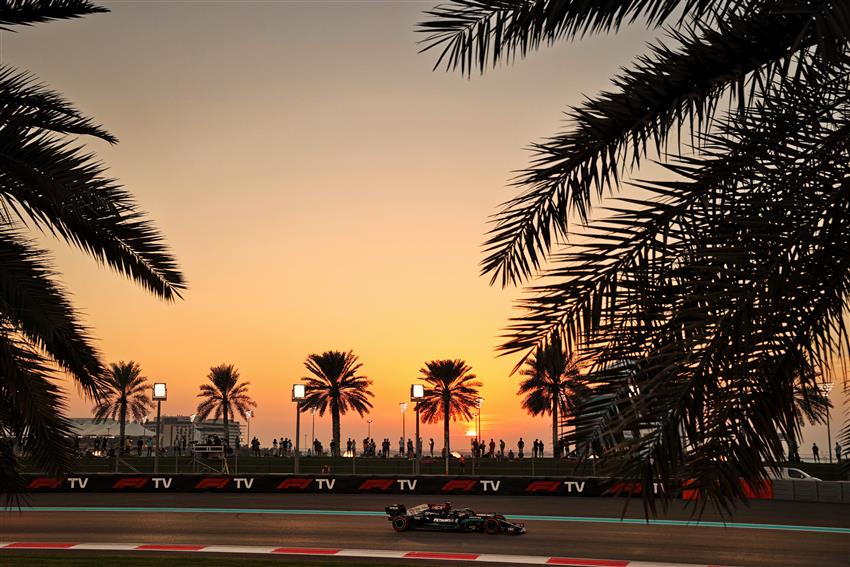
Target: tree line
(336, 386)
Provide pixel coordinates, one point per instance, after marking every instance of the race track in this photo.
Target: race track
(238, 520)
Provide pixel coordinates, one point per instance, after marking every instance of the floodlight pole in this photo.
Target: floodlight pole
(192, 439)
(297, 435)
(298, 394)
(160, 392)
(403, 407)
(156, 440)
(248, 415)
(826, 387)
(417, 392)
(418, 448)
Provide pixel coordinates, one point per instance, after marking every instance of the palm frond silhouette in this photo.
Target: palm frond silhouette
(126, 392)
(708, 306)
(49, 182)
(451, 394)
(224, 396)
(336, 385)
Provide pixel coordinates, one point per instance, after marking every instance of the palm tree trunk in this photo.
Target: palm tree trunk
(123, 417)
(226, 428)
(335, 423)
(555, 403)
(446, 444)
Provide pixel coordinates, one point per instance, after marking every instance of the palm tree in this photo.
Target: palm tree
(126, 389)
(453, 393)
(551, 384)
(223, 396)
(722, 286)
(50, 182)
(335, 384)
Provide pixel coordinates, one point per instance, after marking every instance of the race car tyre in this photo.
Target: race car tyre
(401, 523)
(492, 526)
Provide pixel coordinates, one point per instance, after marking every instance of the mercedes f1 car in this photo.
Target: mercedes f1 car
(442, 517)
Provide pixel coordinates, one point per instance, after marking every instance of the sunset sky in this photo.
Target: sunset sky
(321, 187)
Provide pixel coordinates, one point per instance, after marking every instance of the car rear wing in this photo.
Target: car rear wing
(396, 510)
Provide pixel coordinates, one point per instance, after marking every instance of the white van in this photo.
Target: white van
(788, 473)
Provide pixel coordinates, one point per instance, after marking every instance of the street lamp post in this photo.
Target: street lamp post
(160, 393)
(826, 388)
(403, 407)
(248, 415)
(417, 392)
(368, 429)
(313, 430)
(192, 438)
(299, 392)
(145, 420)
(479, 402)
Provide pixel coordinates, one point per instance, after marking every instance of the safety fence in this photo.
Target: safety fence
(433, 485)
(339, 484)
(811, 491)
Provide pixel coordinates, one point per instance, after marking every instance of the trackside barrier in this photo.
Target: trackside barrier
(438, 485)
(339, 484)
(811, 491)
(803, 491)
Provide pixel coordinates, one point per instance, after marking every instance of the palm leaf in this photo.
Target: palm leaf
(60, 188)
(476, 33)
(27, 103)
(36, 306)
(28, 12)
(661, 93)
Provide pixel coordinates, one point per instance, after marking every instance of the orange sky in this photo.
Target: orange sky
(321, 187)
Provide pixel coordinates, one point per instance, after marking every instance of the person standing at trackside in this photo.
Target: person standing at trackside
(838, 451)
(816, 452)
(492, 452)
(540, 449)
(401, 446)
(501, 448)
(520, 445)
(431, 445)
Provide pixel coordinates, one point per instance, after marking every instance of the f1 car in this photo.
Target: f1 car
(442, 517)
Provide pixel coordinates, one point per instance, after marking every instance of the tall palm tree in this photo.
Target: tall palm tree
(453, 394)
(722, 285)
(551, 384)
(50, 182)
(126, 389)
(335, 384)
(224, 396)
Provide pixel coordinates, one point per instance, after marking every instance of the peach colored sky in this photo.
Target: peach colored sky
(321, 187)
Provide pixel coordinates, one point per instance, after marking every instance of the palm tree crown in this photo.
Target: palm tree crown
(125, 392)
(51, 182)
(551, 384)
(335, 385)
(725, 289)
(223, 395)
(452, 394)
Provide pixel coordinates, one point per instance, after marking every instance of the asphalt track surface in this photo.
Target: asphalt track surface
(237, 522)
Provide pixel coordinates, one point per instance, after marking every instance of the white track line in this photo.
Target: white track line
(334, 552)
